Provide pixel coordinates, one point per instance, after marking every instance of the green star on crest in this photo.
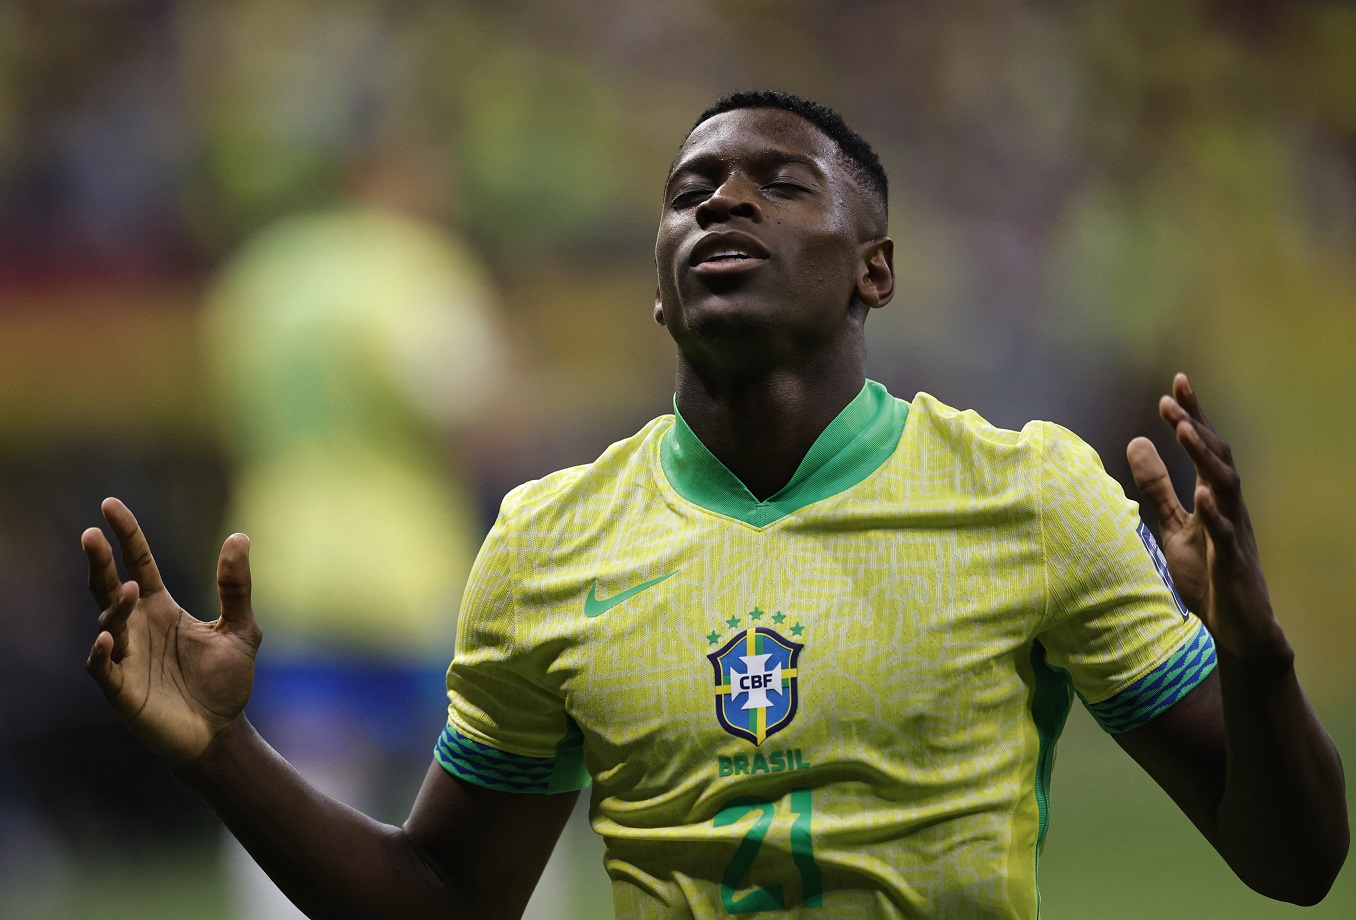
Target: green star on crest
(797, 629)
(714, 637)
(755, 614)
(778, 617)
(733, 621)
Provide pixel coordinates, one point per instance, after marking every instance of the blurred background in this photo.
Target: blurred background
(415, 237)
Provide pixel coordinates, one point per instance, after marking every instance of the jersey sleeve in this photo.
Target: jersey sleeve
(506, 728)
(1114, 622)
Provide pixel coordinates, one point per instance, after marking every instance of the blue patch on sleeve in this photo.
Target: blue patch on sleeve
(1161, 563)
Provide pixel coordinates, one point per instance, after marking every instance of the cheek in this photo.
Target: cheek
(828, 261)
(665, 253)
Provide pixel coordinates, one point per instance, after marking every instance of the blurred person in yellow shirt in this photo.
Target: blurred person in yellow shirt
(348, 347)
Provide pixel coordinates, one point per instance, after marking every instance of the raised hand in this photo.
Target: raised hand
(176, 681)
(1211, 552)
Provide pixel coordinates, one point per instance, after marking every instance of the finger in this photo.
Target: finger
(1223, 533)
(114, 620)
(233, 580)
(1154, 483)
(103, 574)
(1185, 394)
(1174, 413)
(100, 665)
(136, 552)
(1212, 469)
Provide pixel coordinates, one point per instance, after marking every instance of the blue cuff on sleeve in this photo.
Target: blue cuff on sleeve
(1158, 690)
(495, 769)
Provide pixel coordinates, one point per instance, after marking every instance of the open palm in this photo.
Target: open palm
(176, 681)
(1211, 551)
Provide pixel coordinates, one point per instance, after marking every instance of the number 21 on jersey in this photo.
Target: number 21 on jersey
(802, 855)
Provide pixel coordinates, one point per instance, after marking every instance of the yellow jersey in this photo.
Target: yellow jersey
(842, 701)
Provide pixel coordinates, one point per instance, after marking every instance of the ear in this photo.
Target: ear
(658, 307)
(876, 273)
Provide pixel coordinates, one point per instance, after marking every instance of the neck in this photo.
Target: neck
(761, 423)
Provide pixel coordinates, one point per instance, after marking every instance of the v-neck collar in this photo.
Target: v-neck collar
(852, 447)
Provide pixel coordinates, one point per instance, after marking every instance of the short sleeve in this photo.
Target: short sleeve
(506, 729)
(1114, 622)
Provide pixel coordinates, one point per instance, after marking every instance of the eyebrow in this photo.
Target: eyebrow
(771, 158)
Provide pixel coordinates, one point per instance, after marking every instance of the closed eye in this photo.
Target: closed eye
(689, 197)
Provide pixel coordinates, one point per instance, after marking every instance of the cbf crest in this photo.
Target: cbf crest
(757, 681)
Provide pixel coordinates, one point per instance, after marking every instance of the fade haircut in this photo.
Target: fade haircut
(856, 153)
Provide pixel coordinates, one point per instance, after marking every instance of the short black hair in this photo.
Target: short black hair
(856, 152)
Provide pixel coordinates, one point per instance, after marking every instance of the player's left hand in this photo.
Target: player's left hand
(1211, 552)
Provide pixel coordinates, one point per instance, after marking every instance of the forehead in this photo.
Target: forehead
(744, 134)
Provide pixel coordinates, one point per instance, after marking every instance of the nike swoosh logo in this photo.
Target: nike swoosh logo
(594, 607)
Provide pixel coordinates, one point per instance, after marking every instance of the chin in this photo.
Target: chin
(731, 322)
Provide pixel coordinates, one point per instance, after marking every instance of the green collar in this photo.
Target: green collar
(852, 447)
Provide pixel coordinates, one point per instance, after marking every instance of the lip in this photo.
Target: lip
(700, 259)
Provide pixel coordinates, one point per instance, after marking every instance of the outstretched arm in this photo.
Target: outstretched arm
(464, 851)
(1243, 754)
(181, 684)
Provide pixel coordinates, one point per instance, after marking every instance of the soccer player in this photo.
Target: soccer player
(812, 645)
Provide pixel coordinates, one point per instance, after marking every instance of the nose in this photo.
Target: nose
(736, 197)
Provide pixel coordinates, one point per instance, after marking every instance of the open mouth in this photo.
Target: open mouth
(727, 262)
(732, 255)
(726, 252)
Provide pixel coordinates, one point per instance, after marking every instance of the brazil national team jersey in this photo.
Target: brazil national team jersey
(841, 702)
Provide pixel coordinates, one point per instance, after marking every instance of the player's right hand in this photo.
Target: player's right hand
(176, 681)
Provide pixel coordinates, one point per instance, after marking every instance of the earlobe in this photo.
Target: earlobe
(876, 280)
(658, 307)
